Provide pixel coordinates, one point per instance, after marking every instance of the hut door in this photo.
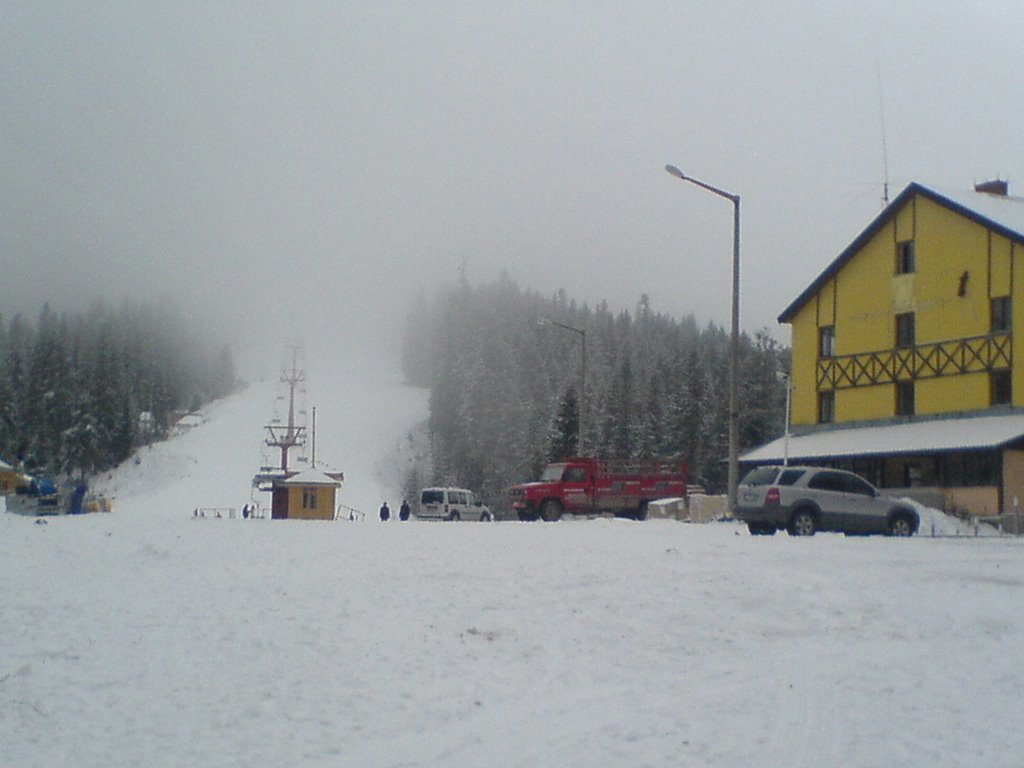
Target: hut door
(279, 504)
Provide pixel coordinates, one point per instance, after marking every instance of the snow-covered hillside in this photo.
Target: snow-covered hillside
(149, 638)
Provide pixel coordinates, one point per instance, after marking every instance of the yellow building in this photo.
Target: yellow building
(308, 495)
(904, 350)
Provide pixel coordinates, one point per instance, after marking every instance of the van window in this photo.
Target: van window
(457, 497)
(432, 497)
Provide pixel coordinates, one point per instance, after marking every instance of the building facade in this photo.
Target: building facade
(907, 358)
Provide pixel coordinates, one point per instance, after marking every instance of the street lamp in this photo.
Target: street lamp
(785, 378)
(734, 344)
(583, 376)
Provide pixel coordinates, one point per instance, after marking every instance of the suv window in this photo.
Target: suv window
(761, 476)
(828, 481)
(789, 476)
(855, 485)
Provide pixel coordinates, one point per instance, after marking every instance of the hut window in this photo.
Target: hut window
(309, 498)
(827, 341)
(905, 330)
(904, 398)
(1001, 387)
(905, 257)
(826, 407)
(1001, 315)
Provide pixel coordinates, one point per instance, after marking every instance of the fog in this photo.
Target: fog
(284, 168)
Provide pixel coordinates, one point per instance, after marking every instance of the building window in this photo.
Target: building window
(905, 330)
(1001, 387)
(905, 257)
(309, 498)
(827, 341)
(826, 407)
(904, 398)
(1001, 317)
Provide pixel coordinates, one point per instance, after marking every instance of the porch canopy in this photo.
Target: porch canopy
(935, 436)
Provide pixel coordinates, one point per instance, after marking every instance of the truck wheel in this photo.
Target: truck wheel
(802, 523)
(641, 512)
(551, 511)
(761, 529)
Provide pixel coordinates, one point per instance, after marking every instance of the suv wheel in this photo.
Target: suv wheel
(802, 523)
(901, 525)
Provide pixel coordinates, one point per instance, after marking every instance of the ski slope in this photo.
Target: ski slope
(147, 637)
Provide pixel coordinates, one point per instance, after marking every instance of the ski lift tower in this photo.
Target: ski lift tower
(285, 436)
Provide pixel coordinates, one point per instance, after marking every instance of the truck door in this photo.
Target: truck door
(577, 489)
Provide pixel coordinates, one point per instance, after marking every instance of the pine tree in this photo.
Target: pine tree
(566, 427)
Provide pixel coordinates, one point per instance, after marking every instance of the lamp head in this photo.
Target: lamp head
(675, 172)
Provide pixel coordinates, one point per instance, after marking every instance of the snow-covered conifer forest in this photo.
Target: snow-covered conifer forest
(505, 380)
(73, 386)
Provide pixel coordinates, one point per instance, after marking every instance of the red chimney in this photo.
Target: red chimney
(994, 187)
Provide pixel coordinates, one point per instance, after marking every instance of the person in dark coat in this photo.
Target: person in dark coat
(385, 512)
(403, 511)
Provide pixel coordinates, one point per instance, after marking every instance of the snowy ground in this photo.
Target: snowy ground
(149, 638)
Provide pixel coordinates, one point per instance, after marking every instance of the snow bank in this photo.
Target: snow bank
(147, 637)
(935, 522)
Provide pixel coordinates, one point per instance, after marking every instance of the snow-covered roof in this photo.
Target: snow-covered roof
(311, 476)
(5, 467)
(1002, 213)
(1005, 210)
(914, 437)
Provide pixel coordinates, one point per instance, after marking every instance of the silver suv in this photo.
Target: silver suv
(803, 500)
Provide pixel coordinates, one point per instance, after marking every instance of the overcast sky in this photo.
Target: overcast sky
(311, 164)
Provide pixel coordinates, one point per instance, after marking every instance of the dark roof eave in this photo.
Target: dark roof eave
(872, 229)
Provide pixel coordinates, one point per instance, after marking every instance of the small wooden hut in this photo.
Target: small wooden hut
(308, 495)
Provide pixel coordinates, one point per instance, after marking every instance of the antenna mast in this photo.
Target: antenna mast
(885, 148)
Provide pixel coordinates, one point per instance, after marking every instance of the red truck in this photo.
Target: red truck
(584, 486)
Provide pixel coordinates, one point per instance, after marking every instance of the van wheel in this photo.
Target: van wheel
(486, 517)
(551, 511)
(454, 516)
(802, 523)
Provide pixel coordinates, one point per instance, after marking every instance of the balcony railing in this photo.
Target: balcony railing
(977, 354)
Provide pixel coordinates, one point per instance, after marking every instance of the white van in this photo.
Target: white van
(451, 504)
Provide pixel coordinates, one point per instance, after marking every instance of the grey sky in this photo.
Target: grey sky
(262, 160)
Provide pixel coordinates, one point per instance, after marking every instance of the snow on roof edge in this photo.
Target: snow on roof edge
(913, 437)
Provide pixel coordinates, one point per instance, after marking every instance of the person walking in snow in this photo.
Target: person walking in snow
(385, 512)
(403, 511)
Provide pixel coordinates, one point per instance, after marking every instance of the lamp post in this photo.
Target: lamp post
(788, 381)
(583, 377)
(734, 343)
